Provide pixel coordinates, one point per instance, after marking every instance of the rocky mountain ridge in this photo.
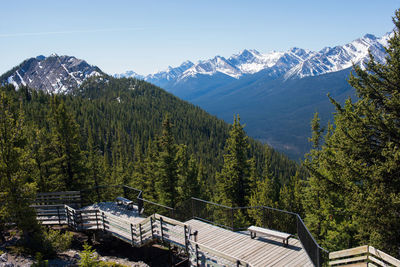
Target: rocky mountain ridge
(53, 74)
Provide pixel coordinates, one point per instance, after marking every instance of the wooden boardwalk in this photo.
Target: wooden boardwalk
(214, 246)
(261, 251)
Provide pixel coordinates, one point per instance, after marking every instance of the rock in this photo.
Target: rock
(4, 257)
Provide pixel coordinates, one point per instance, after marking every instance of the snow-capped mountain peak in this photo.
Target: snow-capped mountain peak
(293, 63)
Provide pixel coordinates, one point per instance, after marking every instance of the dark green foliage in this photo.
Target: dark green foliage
(233, 182)
(67, 160)
(17, 189)
(353, 197)
(167, 167)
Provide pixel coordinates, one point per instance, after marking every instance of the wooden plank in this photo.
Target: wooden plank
(263, 258)
(377, 261)
(348, 252)
(382, 255)
(215, 237)
(235, 240)
(348, 260)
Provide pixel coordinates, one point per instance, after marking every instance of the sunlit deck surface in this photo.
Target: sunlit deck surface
(261, 251)
(112, 208)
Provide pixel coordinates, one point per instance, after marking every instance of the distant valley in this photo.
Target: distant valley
(276, 93)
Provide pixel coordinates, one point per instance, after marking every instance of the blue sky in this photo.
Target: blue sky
(147, 36)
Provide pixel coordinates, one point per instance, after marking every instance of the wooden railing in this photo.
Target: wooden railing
(362, 256)
(201, 255)
(71, 198)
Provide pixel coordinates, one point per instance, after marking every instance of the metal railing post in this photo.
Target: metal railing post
(186, 237)
(264, 217)
(232, 218)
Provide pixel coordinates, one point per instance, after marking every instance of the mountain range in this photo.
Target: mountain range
(275, 93)
(294, 63)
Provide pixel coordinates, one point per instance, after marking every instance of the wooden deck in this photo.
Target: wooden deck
(214, 246)
(261, 251)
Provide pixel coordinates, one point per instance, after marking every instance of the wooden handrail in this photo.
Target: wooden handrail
(362, 254)
(204, 248)
(169, 220)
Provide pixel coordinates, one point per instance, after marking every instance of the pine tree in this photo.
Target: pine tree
(262, 194)
(167, 169)
(355, 175)
(67, 164)
(188, 185)
(232, 183)
(17, 189)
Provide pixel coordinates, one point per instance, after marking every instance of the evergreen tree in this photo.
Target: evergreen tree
(188, 185)
(232, 183)
(355, 175)
(262, 195)
(17, 189)
(167, 168)
(67, 164)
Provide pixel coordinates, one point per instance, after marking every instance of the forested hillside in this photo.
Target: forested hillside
(118, 131)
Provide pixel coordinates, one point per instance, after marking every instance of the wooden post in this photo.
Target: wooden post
(74, 219)
(197, 256)
(67, 212)
(80, 219)
(104, 224)
(162, 231)
(58, 214)
(132, 242)
(151, 227)
(140, 233)
(97, 221)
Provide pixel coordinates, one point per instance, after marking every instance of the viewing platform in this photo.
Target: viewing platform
(204, 242)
